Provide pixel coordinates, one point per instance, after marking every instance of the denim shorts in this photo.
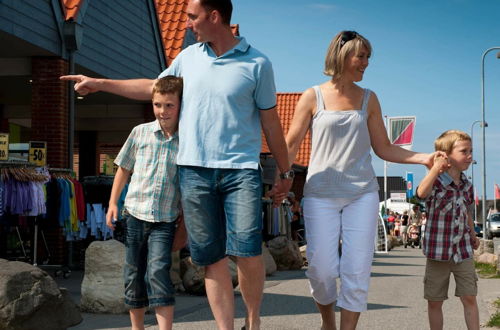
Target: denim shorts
(147, 263)
(222, 212)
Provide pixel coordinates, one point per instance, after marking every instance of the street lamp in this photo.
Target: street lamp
(474, 163)
(484, 137)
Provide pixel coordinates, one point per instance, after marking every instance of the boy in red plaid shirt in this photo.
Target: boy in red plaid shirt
(449, 237)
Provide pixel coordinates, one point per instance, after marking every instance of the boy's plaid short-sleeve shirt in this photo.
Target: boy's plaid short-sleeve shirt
(447, 233)
(153, 194)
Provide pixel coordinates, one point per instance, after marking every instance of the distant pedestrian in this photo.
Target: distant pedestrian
(404, 226)
(449, 231)
(341, 199)
(391, 222)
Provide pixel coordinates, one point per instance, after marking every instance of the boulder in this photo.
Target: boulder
(392, 242)
(175, 272)
(102, 285)
(193, 276)
(487, 258)
(286, 253)
(489, 247)
(269, 262)
(30, 299)
(303, 253)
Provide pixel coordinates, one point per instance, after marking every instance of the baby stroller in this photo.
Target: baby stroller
(413, 237)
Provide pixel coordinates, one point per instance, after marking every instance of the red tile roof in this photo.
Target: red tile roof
(70, 8)
(172, 18)
(286, 107)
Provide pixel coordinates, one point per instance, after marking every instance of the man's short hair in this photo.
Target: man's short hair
(224, 7)
(446, 141)
(168, 85)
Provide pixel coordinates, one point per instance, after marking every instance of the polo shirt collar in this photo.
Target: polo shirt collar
(242, 46)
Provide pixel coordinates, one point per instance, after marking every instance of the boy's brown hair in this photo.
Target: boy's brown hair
(446, 141)
(168, 85)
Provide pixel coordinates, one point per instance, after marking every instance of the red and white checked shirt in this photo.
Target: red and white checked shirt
(447, 233)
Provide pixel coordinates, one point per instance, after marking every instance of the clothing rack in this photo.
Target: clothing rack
(60, 269)
(23, 172)
(14, 163)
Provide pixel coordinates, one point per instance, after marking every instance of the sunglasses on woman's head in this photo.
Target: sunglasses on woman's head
(347, 36)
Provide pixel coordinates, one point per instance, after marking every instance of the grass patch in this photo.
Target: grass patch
(486, 270)
(497, 303)
(494, 320)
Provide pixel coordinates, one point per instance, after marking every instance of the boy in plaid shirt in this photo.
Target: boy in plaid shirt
(449, 237)
(153, 204)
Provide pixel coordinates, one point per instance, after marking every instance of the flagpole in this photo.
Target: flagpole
(495, 196)
(385, 172)
(476, 201)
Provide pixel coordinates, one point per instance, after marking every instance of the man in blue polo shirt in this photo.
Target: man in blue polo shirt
(229, 93)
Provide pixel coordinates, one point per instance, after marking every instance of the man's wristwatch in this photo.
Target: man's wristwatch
(287, 175)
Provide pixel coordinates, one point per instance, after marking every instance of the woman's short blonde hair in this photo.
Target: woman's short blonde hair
(446, 141)
(342, 45)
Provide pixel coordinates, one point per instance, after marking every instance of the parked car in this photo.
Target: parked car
(493, 225)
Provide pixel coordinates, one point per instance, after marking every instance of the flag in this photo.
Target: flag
(497, 192)
(401, 130)
(409, 185)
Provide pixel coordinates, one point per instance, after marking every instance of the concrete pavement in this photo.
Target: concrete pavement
(395, 301)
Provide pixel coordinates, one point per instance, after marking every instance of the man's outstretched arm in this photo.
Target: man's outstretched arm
(137, 89)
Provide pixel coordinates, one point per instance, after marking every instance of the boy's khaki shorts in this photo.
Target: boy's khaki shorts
(437, 279)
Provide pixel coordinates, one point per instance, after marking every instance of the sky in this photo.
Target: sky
(426, 62)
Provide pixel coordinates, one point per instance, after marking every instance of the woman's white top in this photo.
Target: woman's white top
(340, 164)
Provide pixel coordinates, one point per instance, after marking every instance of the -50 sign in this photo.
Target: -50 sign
(38, 153)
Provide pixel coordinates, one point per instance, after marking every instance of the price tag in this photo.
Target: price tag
(38, 153)
(4, 146)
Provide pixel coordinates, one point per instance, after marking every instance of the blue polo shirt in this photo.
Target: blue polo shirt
(220, 121)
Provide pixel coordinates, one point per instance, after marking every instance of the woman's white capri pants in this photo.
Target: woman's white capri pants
(354, 221)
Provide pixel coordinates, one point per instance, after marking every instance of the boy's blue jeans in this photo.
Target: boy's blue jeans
(147, 263)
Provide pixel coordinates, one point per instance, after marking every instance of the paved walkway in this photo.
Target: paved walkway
(395, 301)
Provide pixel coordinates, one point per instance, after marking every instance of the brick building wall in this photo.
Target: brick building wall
(49, 108)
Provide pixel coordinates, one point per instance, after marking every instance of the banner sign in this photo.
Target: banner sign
(38, 153)
(397, 197)
(4, 146)
(401, 131)
(409, 184)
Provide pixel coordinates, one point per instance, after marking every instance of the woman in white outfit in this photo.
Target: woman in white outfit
(341, 198)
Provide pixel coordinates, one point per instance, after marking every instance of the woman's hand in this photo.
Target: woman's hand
(440, 157)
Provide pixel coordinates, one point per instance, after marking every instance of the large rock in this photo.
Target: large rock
(30, 299)
(193, 276)
(286, 253)
(102, 285)
(392, 242)
(484, 246)
(303, 253)
(175, 272)
(489, 246)
(269, 262)
(487, 258)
